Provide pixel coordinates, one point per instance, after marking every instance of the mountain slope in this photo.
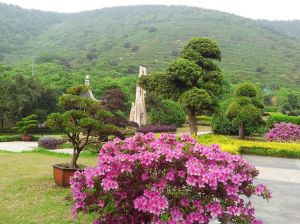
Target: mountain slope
(119, 39)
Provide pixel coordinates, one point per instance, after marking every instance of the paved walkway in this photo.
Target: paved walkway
(18, 146)
(282, 177)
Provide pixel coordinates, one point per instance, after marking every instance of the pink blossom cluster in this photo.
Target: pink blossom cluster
(284, 132)
(167, 179)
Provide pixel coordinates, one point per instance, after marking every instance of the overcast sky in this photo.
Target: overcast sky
(255, 9)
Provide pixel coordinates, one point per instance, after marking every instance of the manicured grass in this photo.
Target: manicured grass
(253, 146)
(28, 193)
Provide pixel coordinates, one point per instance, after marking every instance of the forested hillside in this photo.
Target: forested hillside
(111, 43)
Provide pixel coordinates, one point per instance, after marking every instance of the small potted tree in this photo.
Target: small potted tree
(82, 121)
(26, 125)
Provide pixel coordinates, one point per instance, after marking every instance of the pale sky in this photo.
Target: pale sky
(255, 9)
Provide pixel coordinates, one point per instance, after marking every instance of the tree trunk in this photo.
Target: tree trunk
(242, 131)
(193, 122)
(74, 158)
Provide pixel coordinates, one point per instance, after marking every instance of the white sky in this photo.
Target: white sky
(255, 9)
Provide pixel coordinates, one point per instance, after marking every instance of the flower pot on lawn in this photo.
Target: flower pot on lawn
(26, 137)
(62, 174)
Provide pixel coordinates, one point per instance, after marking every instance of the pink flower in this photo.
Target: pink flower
(109, 184)
(152, 202)
(215, 209)
(144, 175)
(101, 203)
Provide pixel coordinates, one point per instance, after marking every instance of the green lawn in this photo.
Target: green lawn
(28, 193)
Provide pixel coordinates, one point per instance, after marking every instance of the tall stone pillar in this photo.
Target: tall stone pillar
(138, 108)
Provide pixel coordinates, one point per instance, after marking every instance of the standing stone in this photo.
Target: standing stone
(89, 93)
(138, 108)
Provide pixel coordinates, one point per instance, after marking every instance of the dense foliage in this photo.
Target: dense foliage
(275, 118)
(194, 79)
(114, 100)
(244, 110)
(169, 112)
(156, 128)
(22, 96)
(220, 124)
(82, 121)
(284, 132)
(173, 180)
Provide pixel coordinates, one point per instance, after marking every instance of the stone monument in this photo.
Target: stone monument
(138, 108)
(89, 93)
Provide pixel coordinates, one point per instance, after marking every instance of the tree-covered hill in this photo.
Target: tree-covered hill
(115, 41)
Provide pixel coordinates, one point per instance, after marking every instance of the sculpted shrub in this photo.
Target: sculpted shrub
(284, 132)
(170, 179)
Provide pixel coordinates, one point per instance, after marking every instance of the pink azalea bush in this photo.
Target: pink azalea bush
(169, 179)
(284, 132)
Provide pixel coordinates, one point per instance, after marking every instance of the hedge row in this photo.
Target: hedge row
(284, 153)
(236, 146)
(278, 118)
(9, 138)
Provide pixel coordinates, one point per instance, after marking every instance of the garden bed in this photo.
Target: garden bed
(237, 146)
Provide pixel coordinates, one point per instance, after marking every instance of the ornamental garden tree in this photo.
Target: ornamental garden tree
(194, 79)
(244, 110)
(169, 179)
(82, 121)
(26, 125)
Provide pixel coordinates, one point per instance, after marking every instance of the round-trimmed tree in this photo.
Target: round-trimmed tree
(194, 79)
(244, 111)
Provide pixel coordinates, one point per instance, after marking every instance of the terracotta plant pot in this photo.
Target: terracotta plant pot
(26, 137)
(62, 174)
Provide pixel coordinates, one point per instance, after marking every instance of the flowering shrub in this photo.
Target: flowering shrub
(50, 142)
(284, 132)
(170, 179)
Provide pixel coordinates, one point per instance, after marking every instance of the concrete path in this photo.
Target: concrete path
(203, 132)
(18, 146)
(68, 151)
(282, 177)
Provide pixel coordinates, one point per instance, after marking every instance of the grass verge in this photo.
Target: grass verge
(28, 193)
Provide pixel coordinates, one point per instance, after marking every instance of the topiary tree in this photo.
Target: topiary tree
(169, 112)
(244, 111)
(194, 79)
(82, 121)
(27, 124)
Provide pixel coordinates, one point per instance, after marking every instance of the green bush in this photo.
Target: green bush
(222, 125)
(169, 113)
(275, 118)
